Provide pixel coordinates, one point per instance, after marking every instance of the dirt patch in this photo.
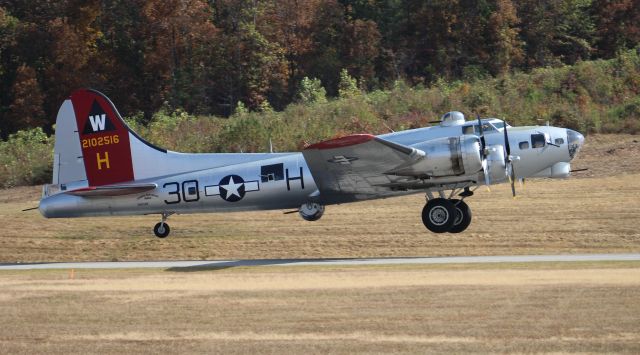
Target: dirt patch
(608, 155)
(249, 336)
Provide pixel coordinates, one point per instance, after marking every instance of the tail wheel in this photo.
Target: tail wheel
(438, 215)
(161, 230)
(463, 216)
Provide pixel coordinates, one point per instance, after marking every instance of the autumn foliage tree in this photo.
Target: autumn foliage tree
(205, 56)
(26, 109)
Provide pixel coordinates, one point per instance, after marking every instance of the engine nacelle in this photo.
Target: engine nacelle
(446, 157)
(495, 164)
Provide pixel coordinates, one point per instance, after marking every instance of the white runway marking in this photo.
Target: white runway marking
(175, 265)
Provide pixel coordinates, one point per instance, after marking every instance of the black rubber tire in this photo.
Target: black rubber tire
(161, 230)
(463, 216)
(438, 215)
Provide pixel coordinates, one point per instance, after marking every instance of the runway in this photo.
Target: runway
(219, 264)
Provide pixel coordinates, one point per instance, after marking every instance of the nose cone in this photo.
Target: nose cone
(575, 141)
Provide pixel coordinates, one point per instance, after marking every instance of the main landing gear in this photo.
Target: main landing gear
(442, 215)
(161, 229)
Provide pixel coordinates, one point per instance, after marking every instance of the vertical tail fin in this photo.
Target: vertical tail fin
(92, 141)
(104, 139)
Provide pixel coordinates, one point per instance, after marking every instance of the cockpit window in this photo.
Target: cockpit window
(498, 125)
(538, 140)
(486, 127)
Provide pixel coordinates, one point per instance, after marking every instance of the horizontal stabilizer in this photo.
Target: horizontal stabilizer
(112, 190)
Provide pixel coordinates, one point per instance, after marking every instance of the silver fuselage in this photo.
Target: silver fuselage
(264, 181)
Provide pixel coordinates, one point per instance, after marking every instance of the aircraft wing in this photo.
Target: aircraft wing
(360, 164)
(112, 190)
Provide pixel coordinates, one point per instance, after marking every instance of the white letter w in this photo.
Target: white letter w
(97, 122)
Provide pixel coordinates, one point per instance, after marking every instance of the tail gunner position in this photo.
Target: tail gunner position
(103, 168)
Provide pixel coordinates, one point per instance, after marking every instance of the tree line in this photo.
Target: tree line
(213, 57)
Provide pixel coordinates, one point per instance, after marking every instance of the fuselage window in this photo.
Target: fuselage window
(537, 140)
(272, 172)
(524, 145)
(559, 141)
(467, 130)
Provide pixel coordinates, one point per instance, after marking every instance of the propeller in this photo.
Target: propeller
(483, 153)
(508, 160)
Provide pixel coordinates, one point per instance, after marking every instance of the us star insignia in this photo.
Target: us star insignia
(341, 159)
(232, 188)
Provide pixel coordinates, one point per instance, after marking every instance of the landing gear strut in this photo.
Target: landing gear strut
(161, 229)
(442, 215)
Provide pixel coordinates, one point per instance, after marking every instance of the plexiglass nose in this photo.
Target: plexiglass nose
(575, 140)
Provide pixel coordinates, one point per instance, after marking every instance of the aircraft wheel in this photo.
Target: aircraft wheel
(438, 215)
(161, 230)
(463, 216)
(311, 211)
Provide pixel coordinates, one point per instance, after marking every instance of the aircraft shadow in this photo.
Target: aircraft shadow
(220, 265)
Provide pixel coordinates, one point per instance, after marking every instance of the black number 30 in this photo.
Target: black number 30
(175, 192)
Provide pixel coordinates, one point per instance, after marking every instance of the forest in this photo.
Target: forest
(225, 57)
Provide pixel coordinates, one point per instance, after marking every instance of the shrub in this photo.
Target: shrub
(311, 91)
(26, 158)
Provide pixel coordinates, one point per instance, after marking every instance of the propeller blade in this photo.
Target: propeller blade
(483, 153)
(485, 170)
(508, 161)
(483, 144)
(512, 178)
(506, 140)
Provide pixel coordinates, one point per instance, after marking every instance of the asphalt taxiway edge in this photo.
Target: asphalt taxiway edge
(321, 262)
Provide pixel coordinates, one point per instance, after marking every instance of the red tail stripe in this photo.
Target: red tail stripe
(104, 139)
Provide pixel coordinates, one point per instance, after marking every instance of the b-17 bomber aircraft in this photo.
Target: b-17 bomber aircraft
(103, 168)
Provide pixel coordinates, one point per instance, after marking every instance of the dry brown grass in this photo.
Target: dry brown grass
(578, 215)
(412, 309)
(609, 155)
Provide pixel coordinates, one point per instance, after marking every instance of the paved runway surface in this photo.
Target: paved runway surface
(214, 264)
